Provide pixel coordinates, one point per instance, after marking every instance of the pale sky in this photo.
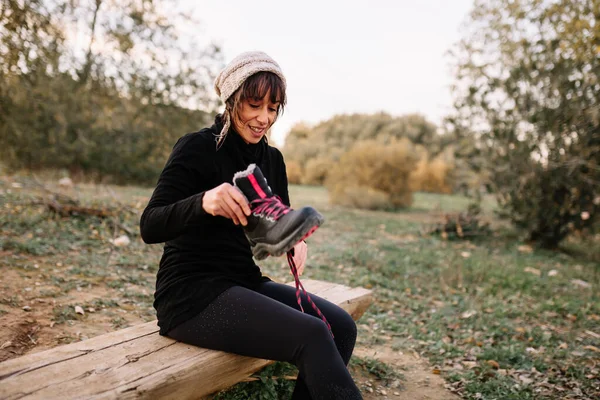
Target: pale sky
(345, 56)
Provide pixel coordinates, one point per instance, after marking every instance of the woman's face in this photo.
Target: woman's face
(255, 118)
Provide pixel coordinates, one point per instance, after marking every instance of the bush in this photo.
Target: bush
(550, 202)
(294, 172)
(432, 176)
(375, 171)
(316, 171)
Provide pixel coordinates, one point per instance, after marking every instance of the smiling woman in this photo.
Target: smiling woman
(256, 105)
(209, 291)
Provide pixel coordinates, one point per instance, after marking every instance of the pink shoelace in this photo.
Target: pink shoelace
(274, 208)
(270, 206)
(300, 286)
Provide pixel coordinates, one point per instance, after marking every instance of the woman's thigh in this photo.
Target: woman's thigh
(248, 323)
(342, 324)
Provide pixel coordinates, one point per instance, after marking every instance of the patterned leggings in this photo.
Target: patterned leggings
(267, 324)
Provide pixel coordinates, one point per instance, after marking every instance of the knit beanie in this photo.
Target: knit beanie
(236, 72)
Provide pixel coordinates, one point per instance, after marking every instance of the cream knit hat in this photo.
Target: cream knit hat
(236, 72)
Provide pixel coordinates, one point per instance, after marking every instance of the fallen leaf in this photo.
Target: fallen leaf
(469, 364)
(468, 314)
(493, 364)
(5, 344)
(592, 348)
(465, 254)
(563, 345)
(79, 310)
(553, 273)
(592, 334)
(436, 371)
(525, 248)
(580, 283)
(533, 271)
(121, 241)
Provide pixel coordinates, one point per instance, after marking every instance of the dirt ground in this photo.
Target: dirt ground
(419, 382)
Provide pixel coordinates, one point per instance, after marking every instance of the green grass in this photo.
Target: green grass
(493, 329)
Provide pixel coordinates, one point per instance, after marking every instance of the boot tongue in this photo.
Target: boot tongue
(252, 183)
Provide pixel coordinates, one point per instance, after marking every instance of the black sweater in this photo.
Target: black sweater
(203, 255)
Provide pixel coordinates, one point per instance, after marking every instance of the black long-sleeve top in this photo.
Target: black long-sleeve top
(203, 254)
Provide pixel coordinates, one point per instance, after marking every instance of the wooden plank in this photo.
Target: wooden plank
(138, 363)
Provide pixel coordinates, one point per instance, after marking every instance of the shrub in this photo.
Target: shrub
(432, 175)
(294, 172)
(316, 171)
(374, 170)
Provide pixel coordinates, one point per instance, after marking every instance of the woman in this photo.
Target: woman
(209, 291)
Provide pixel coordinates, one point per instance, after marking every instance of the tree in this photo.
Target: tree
(100, 85)
(528, 78)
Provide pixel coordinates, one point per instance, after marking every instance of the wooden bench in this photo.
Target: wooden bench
(139, 363)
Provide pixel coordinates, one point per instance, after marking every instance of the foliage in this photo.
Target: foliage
(317, 148)
(272, 383)
(433, 176)
(113, 106)
(316, 170)
(374, 175)
(294, 172)
(528, 82)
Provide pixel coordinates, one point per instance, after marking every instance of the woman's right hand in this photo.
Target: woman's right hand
(227, 201)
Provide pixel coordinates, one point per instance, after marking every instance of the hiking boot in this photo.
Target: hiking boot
(273, 228)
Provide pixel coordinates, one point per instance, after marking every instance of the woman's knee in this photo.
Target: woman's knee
(344, 325)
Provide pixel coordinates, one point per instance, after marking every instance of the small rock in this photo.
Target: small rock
(91, 309)
(26, 308)
(553, 273)
(79, 310)
(383, 392)
(370, 389)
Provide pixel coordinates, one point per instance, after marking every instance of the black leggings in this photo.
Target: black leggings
(267, 324)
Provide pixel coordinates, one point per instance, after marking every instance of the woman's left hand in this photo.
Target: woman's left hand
(300, 252)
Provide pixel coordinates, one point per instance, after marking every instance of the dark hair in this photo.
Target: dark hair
(255, 87)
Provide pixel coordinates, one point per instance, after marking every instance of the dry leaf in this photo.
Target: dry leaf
(592, 334)
(525, 248)
(436, 371)
(79, 310)
(122, 240)
(592, 348)
(533, 271)
(580, 283)
(493, 364)
(469, 364)
(5, 344)
(553, 273)
(468, 314)
(465, 254)
(563, 345)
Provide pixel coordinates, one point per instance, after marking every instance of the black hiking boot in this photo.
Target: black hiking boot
(273, 228)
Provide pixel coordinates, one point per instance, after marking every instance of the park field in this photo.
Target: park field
(489, 318)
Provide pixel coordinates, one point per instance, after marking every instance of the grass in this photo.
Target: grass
(497, 320)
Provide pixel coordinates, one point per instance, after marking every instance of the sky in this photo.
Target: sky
(344, 57)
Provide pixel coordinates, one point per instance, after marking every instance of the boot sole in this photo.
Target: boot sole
(260, 251)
